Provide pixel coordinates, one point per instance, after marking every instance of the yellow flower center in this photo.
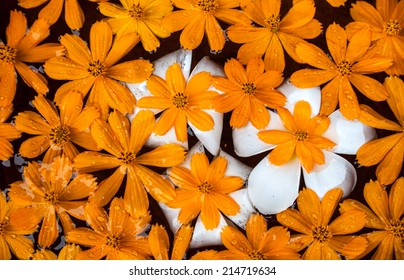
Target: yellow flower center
(7, 53)
(127, 157)
(397, 229)
(96, 68)
(180, 100)
(59, 135)
(392, 27)
(257, 255)
(112, 241)
(273, 23)
(205, 188)
(3, 224)
(208, 5)
(249, 88)
(301, 135)
(344, 68)
(51, 198)
(321, 233)
(136, 12)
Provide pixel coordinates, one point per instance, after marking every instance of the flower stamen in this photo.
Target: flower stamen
(273, 23)
(96, 68)
(51, 198)
(321, 233)
(180, 100)
(208, 6)
(257, 255)
(205, 188)
(112, 241)
(301, 135)
(249, 88)
(397, 229)
(59, 135)
(344, 68)
(136, 12)
(392, 27)
(7, 53)
(127, 157)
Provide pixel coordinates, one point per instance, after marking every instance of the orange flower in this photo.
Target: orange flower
(56, 134)
(159, 242)
(386, 25)
(260, 243)
(273, 34)
(51, 189)
(68, 252)
(124, 141)
(387, 152)
(15, 222)
(385, 216)
(248, 92)
(349, 66)
(74, 15)
(181, 101)
(8, 132)
(303, 137)
(144, 18)
(324, 240)
(22, 46)
(116, 236)
(204, 189)
(196, 17)
(336, 3)
(96, 70)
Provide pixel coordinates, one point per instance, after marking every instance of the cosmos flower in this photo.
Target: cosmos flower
(51, 189)
(22, 46)
(15, 223)
(56, 133)
(144, 18)
(160, 244)
(247, 92)
(349, 67)
(259, 243)
(324, 240)
(385, 217)
(302, 139)
(123, 142)
(198, 17)
(73, 16)
(385, 22)
(271, 35)
(386, 152)
(8, 133)
(97, 71)
(116, 236)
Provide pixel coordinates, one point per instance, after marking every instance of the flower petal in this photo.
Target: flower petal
(38, 31)
(100, 40)
(390, 167)
(16, 28)
(370, 117)
(32, 78)
(300, 14)
(336, 42)
(395, 88)
(348, 222)
(314, 56)
(49, 229)
(159, 242)
(73, 14)
(335, 172)
(106, 190)
(274, 188)
(192, 34)
(349, 246)
(395, 198)
(134, 71)
(135, 198)
(34, 146)
(120, 47)
(164, 156)
(369, 87)
(63, 68)
(76, 49)
(358, 45)
(274, 56)
(8, 84)
(21, 246)
(349, 135)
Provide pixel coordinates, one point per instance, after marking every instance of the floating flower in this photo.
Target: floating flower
(57, 133)
(159, 242)
(144, 18)
(117, 236)
(22, 46)
(204, 189)
(8, 133)
(185, 98)
(15, 222)
(349, 66)
(212, 190)
(302, 139)
(123, 142)
(271, 34)
(386, 25)
(385, 217)
(260, 243)
(387, 152)
(51, 189)
(196, 17)
(324, 240)
(97, 71)
(247, 92)
(74, 15)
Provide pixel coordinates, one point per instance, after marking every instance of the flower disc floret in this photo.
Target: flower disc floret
(59, 135)
(392, 27)
(7, 54)
(208, 6)
(136, 12)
